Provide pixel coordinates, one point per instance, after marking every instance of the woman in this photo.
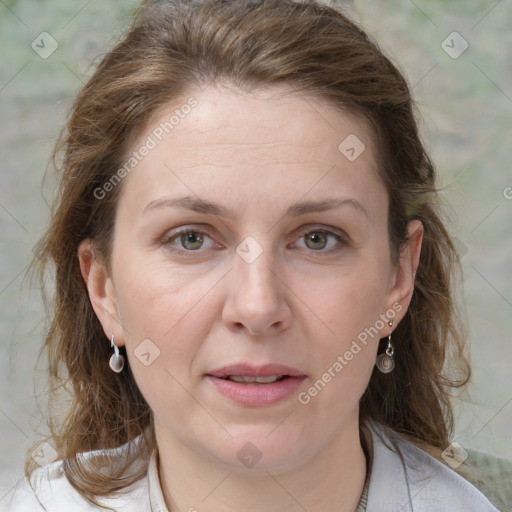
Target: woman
(254, 303)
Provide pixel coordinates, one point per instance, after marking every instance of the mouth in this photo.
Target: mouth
(256, 386)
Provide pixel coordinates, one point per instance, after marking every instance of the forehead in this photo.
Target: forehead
(274, 114)
(220, 137)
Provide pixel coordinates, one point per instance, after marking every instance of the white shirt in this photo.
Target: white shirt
(403, 477)
(57, 495)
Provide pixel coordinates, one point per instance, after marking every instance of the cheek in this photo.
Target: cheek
(345, 327)
(168, 307)
(154, 297)
(350, 303)
(344, 357)
(148, 304)
(163, 335)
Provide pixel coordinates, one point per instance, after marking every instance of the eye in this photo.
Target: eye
(186, 239)
(318, 239)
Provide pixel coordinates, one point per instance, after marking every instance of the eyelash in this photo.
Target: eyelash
(170, 237)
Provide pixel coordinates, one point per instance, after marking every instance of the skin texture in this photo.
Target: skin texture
(300, 303)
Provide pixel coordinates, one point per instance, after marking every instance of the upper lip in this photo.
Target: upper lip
(246, 370)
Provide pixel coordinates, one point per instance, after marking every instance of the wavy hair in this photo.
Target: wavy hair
(171, 48)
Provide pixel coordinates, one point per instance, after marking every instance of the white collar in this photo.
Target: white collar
(156, 496)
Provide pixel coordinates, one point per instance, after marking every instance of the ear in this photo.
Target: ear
(405, 272)
(101, 291)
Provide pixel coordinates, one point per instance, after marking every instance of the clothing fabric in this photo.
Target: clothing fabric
(408, 479)
(402, 478)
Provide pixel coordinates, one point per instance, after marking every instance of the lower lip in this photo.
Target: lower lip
(257, 394)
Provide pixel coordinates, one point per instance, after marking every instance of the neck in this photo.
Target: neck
(331, 480)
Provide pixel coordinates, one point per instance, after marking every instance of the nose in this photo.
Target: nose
(258, 297)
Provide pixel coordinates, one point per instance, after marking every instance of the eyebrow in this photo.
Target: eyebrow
(295, 210)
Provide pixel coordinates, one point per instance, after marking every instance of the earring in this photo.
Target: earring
(385, 362)
(116, 362)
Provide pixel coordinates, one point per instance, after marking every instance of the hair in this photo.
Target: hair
(174, 47)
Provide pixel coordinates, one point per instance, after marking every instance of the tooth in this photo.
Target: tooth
(236, 378)
(265, 380)
(260, 380)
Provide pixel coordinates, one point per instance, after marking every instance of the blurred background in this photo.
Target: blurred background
(457, 57)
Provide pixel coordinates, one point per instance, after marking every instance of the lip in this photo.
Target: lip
(254, 395)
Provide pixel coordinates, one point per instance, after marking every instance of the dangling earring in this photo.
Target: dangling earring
(385, 362)
(116, 362)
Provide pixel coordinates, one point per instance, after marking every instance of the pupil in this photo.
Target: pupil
(192, 238)
(317, 238)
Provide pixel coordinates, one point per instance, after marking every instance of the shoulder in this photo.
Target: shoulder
(405, 474)
(491, 475)
(49, 490)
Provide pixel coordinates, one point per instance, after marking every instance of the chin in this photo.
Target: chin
(256, 451)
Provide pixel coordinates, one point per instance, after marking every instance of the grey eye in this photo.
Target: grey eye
(191, 240)
(317, 239)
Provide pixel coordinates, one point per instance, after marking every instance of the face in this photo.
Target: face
(249, 237)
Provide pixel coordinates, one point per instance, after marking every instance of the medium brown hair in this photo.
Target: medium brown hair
(174, 47)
